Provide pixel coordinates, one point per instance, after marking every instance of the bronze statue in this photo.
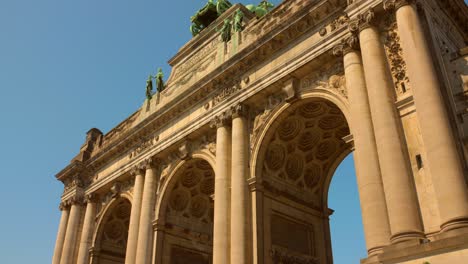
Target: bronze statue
(238, 18)
(226, 30)
(159, 80)
(149, 88)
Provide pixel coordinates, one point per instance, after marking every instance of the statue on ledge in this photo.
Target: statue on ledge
(159, 81)
(262, 9)
(226, 30)
(206, 15)
(149, 88)
(238, 18)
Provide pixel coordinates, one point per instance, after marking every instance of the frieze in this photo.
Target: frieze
(144, 146)
(197, 58)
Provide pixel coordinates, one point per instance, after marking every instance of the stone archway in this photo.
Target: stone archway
(187, 213)
(112, 234)
(298, 156)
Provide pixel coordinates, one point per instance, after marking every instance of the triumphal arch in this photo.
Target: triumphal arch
(229, 159)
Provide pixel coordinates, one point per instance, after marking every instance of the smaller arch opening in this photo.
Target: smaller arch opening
(188, 214)
(111, 241)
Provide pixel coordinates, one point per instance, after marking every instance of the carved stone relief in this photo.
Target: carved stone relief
(330, 78)
(395, 57)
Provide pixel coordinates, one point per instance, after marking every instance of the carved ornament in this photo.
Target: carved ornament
(394, 5)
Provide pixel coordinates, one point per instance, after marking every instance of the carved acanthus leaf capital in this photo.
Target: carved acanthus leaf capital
(394, 5)
(239, 110)
(137, 170)
(150, 163)
(65, 205)
(367, 19)
(92, 198)
(347, 45)
(76, 200)
(220, 120)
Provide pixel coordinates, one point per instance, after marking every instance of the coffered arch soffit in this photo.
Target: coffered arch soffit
(173, 176)
(301, 143)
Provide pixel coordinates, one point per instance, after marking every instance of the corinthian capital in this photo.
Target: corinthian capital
(220, 120)
(239, 110)
(346, 45)
(366, 19)
(393, 5)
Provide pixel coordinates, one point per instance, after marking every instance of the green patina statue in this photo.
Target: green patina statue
(262, 9)
(238, 18)
(149, 88)
(222, 6)
(159, 81)
(206, 15)
(226, 30)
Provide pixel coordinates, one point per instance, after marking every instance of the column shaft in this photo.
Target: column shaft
(239, 192)
(444, 161)
(87, 233)
(134, 219)
(371, 192)
(145, 232)
(71, 235)
(403, 210)
(221, 196)
(61, 236)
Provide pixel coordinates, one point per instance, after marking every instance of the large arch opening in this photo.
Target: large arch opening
(187, 212)
(297, 158)
(112, 234)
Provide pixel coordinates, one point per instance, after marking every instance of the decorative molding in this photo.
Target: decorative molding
(185, 150)
(146, 144)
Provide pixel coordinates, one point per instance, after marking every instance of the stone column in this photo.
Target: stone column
(400, 194)
(61, 233)
(239, 188)
(444, 161)
(221, 230)
(71, 236)
(88, 228)
(371, 191)
(145, 232)
(134, 216)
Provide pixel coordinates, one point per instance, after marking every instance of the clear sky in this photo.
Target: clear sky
(68, 66)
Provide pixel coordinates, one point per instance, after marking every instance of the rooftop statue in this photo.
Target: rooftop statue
(206, 15)
(226, 30)
(222, 6)
(149, 88)
(238, 18)
(262, 9)
(159, 81)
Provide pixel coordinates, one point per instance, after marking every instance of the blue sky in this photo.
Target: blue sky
(68, 66)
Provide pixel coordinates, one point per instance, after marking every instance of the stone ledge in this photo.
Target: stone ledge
(397, 253)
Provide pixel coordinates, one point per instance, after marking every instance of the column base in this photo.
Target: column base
(405, 236)
(375, 251)
(456, 223)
